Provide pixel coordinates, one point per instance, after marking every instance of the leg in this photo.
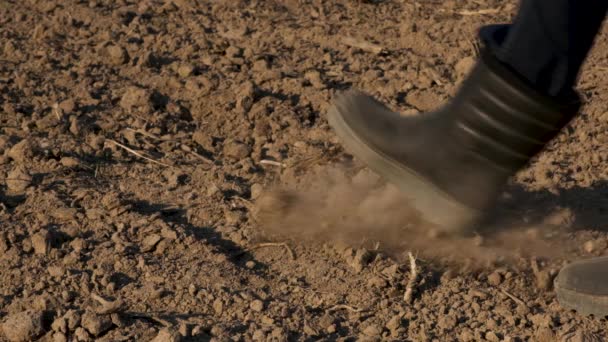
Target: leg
(548, 41)
(453, 163)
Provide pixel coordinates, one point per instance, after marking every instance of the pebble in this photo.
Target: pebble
(594, 245)
(218, 306)
(495, 279)
(315, 79)
(257, 305)
(81, 334)
(69, 162)
(492, 337)
(372, 330)
(256, 190)
(360, 260)
(394, 323)
(167, 335)
(21, 152)
(41, 242)
(18, 179)
(118, 55)
(135, 97)
(23, 326)
(59, 337)
(185, 70)
(150, 242)
(96, 324)
(236, 149)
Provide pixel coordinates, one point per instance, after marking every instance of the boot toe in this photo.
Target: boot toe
(583, 286)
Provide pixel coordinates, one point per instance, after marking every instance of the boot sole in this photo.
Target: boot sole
(435, 206)
(583, 304)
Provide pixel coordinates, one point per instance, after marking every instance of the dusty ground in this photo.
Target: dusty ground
(136, 136)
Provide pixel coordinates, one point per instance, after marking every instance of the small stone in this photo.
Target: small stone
(447, 322)
(237, 150)
(197, 330)
(233, 51)
(69, 162)
(250, 264)
(59, 337)
(394, 323)
(204, 140)
(595, 245)
(82, 335)
(167, 335)
(64, 214)
(218, 306)
(256, 190)
(184, 329)
(372, 331)
(361, 259)
(192, 290)
(67, 106)
(377, 281)
(185, 70)
(544, 280)
(41, 242)
(73, 318)
(259, 335)
(315, 79)
(331, 329)
(135, 97)
(495, 279)
(21, 152)
(60, 325)
(118, 55)
(589, 246)
(96, 324)
(23, 326)
(545, 335)
(18, 180)
(150, 242)
(56, 271)
(492, 337)
(257, 305)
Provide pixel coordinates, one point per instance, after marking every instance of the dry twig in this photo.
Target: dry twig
(139, 154)
(362, 45)
(411, 284)
(515, 299)
(479, 12)
(272, 162)
(107, 307)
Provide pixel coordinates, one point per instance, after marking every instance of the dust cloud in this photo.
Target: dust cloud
(363, 211)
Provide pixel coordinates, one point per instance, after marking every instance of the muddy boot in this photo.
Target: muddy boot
(452, 163)
(583, 286)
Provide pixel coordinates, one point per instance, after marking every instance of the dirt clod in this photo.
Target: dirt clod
(23, 326)
(495, 279)
(96, 324)
(118, 54)
(18, 180)
(41, 242)
(167, 335)
(257, 305)
(254, 198)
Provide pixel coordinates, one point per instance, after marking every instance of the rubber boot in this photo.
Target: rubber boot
(583, 286)
(453, 163)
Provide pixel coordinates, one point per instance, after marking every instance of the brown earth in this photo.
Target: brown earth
(167, 173)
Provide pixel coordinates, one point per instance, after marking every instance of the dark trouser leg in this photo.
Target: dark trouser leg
(548, 41)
